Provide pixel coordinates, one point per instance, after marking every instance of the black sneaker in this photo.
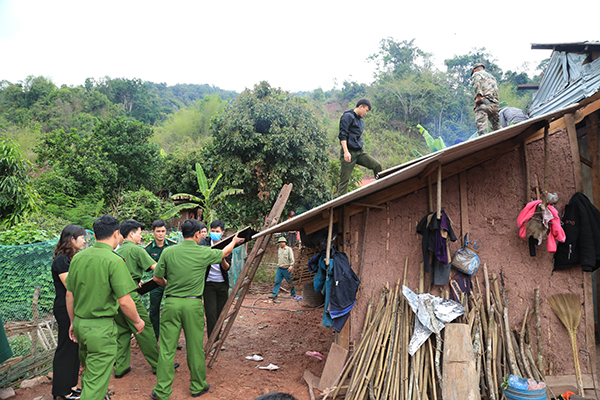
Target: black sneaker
(128, 370)
(206, 389)
(153, 395)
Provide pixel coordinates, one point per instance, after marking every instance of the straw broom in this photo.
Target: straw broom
(567, 308)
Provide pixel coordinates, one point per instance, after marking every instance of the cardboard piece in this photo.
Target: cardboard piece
(333, 366)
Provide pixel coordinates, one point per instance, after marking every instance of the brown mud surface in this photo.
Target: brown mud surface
(281, 337)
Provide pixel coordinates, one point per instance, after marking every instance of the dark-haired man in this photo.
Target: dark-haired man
(154, 249)
(352, 153)
(216, 289)
(138, 261)
(98, 284)
(186, 266)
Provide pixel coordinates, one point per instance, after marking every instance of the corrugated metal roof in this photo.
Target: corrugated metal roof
(413, 168)
(567, 79)
(572, 46)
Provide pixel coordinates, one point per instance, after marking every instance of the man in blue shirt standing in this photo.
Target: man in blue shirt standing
(352, 153)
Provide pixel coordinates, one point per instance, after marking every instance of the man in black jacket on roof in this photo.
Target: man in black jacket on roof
(351, 129)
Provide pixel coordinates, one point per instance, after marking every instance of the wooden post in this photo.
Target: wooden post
(346, 231)
(430, 193)
(572, 131)
(464, 204)
(527, 173)
(329, 234)
(439, 193)
(594, 148)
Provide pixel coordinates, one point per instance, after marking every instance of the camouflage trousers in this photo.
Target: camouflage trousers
(486, 110)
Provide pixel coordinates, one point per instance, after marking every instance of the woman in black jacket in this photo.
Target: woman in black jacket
(66, 357)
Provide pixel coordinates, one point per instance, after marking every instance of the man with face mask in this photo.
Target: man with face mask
(216, 288)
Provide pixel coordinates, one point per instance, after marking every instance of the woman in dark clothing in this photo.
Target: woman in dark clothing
(66, 357)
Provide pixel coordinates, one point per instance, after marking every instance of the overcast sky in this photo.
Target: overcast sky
(298, 46)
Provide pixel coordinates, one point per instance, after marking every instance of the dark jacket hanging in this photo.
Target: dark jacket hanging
(430, 227)
(581, 223)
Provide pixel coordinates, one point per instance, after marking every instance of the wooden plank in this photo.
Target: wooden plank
(572, 131)
(430, 168)
(439, 193)
(346, 231)
(590, 335)
(464, 204)
(342, 338)
(594, 149)
(460, 379)
(333, 366)
(367, 205)
(527, 173)
(570, 380)
(591, 108)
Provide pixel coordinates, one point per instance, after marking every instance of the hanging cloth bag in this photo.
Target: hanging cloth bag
(466, 259)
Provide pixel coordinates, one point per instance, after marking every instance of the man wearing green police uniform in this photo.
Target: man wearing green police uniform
(138, 262)
(98, 284)
(185, 267)
(154, 249)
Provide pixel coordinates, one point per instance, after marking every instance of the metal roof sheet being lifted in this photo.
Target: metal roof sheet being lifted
(414, 168)
(571, 76)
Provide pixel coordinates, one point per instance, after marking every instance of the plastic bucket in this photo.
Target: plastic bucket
(517, 394)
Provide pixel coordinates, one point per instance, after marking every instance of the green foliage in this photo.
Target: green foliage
(179, 172)
(189, 127)
(116, 155)
(433, 144)
(141, 205)
(81, 211)
(266, 138)
(17, 196)
(208, 203)
(24, 233)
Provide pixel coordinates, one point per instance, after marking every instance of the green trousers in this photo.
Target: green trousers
(146, 340)
(358, 157)
(156, 297)
(188, 314)
(97, 340)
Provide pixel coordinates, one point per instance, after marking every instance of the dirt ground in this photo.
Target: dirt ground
(281, 337)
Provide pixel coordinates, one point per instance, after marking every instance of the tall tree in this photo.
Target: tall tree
(17, 196)
(268, 137)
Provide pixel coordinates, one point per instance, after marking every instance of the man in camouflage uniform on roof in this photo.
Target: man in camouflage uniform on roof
(485, 89)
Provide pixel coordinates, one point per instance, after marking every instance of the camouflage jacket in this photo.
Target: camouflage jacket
(485, 84)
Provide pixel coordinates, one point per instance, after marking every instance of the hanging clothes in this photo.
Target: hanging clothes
(581, 223)
(339, 284)
(548, 219)
(436, 233)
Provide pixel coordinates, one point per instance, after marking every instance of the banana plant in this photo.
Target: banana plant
(207, 202)
(434, 145)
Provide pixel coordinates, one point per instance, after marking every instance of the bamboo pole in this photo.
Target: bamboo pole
(538, 328)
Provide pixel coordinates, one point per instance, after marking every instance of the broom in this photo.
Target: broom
(567, 308)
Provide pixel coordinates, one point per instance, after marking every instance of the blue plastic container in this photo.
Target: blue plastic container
(517, 394)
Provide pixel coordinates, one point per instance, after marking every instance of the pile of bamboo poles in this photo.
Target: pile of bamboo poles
(499, 350)
(381, 368)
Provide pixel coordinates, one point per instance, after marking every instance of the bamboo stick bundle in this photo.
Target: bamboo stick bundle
(522, 345)
(492, 390)
(538, 328)
(514, 368)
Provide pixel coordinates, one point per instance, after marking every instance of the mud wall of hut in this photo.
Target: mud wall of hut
(496, 195)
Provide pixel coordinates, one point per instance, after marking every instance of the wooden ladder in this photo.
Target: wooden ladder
(242, 285)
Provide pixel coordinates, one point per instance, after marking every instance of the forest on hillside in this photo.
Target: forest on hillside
(122, 146)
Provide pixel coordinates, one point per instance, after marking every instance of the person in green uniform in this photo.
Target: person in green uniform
(97, 285)
(185, 265)
(5, 351)
(154, 249)
(138, 261)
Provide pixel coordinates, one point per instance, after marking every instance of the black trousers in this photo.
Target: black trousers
(66, 357)
(215, 297)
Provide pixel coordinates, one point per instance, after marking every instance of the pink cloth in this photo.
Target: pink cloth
(555, 233)
(525, 215)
